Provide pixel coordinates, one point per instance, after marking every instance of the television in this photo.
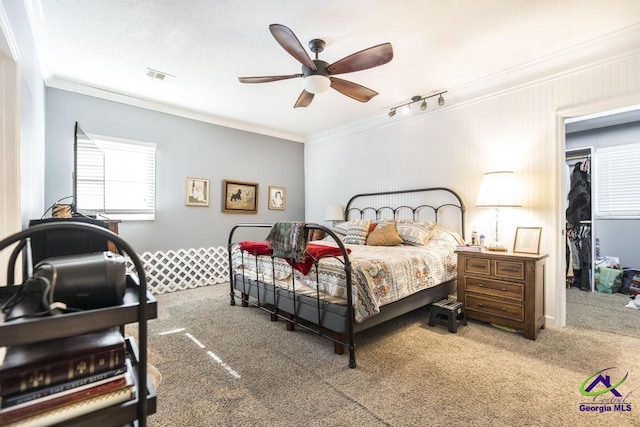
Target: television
(87, 176)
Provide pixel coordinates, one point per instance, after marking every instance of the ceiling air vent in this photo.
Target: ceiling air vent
(159, 75)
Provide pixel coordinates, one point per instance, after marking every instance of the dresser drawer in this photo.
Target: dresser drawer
(503, 309)
(477, 266)
(510, 269)
(497, 308)
(494, 288)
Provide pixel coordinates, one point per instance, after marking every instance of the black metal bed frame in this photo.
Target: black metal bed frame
(284, 304)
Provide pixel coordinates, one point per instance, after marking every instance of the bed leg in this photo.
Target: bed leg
(291, 326)
(338, 347)
(274, 317)
(245, 300)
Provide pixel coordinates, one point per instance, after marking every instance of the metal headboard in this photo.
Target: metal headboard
(432, 199)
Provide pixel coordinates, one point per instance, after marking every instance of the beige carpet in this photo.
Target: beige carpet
(231, 366)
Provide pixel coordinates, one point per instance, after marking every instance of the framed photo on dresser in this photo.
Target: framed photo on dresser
(527, 240)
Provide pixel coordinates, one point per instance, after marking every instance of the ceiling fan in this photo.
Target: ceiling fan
(319, 75)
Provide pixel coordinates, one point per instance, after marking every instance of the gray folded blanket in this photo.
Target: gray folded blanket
(288, 239)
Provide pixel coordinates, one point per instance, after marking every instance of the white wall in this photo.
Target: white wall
(519, 128)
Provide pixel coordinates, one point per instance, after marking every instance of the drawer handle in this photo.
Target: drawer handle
(476, 265)
(512, 270)
(480, 285)
(494, 308)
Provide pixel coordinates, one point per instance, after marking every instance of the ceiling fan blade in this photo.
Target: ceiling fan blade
(304, 99)
(266, 79)
(368, 58)
(352, 90)
(289, 42)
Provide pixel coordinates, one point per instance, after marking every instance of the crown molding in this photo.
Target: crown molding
(8, 45)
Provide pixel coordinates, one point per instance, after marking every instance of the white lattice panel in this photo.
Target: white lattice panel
(185, 269)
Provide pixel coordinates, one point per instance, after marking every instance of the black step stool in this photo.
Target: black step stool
(448, 312)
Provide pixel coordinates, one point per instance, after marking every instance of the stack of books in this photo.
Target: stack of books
(469, 248)
(47, 382)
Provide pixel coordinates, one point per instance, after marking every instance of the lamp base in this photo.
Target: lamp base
(496, 247)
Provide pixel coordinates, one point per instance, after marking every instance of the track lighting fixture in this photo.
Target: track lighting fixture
(406, 108)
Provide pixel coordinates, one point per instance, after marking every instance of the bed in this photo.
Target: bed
(393, 254)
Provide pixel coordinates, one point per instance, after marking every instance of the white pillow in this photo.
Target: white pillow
(355, 231)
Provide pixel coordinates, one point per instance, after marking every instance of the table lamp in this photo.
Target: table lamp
(498, 190)
(334, 213)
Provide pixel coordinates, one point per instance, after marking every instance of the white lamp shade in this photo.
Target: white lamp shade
(499, 189)
(334, 213)
(316, 84)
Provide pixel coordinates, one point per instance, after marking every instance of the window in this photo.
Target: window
(617, 182)
(116, 178)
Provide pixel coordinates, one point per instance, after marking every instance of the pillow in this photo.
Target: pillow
(316, 235)
(441, 234)
(384, 235)
(355, 231)
(415, 233)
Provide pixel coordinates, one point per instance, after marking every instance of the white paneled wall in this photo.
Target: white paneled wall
(517, 129)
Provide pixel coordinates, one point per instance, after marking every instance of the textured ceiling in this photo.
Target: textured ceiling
(206, 45)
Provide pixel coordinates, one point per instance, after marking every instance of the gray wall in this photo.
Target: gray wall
(618, 237)
(185, 148)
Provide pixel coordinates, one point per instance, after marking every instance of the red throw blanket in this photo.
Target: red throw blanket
(256, 248)
(313, 252)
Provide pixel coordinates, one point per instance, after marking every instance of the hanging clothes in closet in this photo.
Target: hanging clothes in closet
(579, 224)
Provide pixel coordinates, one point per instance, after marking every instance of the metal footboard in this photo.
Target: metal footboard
(297, 310)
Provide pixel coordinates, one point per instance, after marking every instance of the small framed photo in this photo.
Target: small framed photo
(240, 197)
(527, 240)
(197, 192)
(277, 198)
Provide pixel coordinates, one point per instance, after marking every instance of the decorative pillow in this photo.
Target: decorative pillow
(355, 231)
(316, 235)
(415, 233)
(441, 234)
(384, 235)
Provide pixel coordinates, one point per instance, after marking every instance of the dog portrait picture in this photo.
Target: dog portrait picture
(240, 197)
(197, 192)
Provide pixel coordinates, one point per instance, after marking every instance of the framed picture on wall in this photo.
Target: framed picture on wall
(240, 197)
(197, 192)
(277, 198)
(527, 240)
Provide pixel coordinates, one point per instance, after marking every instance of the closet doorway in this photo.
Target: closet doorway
(582, 249)
(590, 239)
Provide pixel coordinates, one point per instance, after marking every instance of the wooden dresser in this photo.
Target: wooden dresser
(504, 288)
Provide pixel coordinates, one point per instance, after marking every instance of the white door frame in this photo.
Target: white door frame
(608, 105)
(10, 204)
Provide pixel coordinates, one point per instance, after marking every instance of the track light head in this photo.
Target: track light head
(423, 106)
(441, 100)
(392, 113)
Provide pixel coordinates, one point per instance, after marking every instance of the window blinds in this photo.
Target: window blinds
(117, 178)
(617, 182)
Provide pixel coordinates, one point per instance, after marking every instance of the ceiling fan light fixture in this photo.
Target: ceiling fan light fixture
(316, 84)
